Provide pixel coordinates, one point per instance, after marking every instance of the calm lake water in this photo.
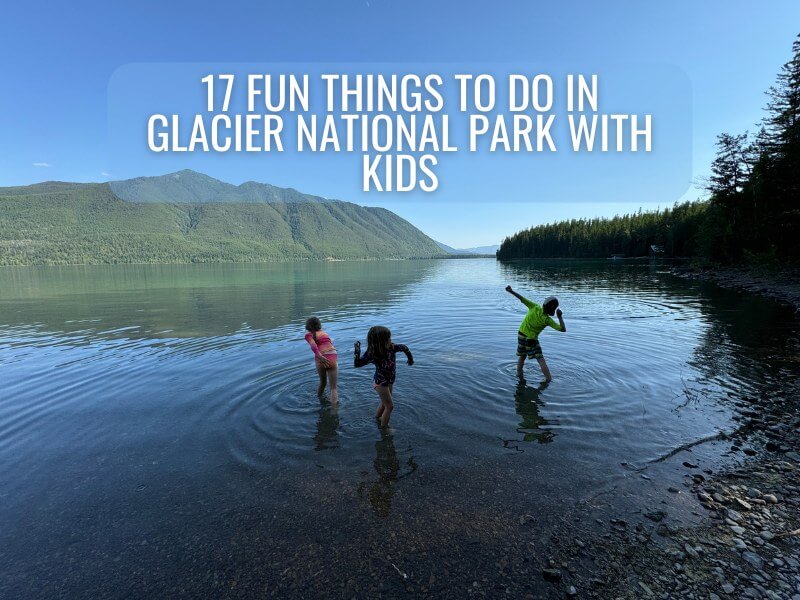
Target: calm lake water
(160, 432)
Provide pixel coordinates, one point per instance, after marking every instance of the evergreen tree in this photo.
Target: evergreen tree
(752, 212)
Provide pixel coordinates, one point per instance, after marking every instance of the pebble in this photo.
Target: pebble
(737, 529)
(734, 515)
(741, 504)
(753, 558)
(770, 499)
(656, 515)
(728, 588)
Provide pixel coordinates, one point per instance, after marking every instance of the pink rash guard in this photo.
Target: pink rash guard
(322, 346)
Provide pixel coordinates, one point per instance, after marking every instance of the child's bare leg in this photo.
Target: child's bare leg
(322, 379)
(520, 364)
(379, 411)
(545, 370)
(385, 394)
(333, 381)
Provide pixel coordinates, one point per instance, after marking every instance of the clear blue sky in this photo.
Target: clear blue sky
(58, 58)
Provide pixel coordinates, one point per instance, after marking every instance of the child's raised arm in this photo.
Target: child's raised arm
(404, 349)
(358, 360)
(560, 316)
(519, 297)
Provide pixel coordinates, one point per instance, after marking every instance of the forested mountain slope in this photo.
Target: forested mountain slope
(71, 223)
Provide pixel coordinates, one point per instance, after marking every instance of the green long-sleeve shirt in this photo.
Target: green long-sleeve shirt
(535, 321)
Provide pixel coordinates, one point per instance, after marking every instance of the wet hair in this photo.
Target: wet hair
(313, 325)
(379, 341)
(550, 305)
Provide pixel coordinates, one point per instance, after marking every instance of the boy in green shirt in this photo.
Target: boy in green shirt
(535, 321)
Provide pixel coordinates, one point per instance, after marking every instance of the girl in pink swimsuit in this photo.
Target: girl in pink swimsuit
(324, 358)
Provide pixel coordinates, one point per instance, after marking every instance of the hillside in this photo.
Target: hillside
(130, 222)
(189, 187)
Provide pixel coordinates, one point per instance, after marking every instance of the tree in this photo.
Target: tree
(731, 168)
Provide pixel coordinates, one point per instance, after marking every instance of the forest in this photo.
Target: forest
(66, 223)
(751, 214)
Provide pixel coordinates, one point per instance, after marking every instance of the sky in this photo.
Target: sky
(706, 67)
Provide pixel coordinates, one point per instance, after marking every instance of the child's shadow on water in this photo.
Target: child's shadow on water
(387, 466)
(533, 426)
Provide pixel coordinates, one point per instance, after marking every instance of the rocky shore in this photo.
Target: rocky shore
(747, 542)
(782, 285)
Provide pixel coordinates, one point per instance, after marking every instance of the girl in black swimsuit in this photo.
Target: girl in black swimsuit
(382, 353)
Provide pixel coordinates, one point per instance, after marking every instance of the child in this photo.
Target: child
(324, 357)
(535, 321)
(381, 352)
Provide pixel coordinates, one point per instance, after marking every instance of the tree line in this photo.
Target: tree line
(751, 214)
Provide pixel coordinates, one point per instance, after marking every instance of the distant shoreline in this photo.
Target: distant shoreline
(246, 262)
(333, 260)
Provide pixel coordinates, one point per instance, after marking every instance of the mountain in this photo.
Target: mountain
(190, 217)
(190, 187)
(476, 250)
(447, 248)
(482, 249)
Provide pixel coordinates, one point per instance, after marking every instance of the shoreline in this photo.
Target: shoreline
(745, 545)
(781, 285)
(248, 262)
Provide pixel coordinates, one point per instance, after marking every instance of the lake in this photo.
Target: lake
(160, 432)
